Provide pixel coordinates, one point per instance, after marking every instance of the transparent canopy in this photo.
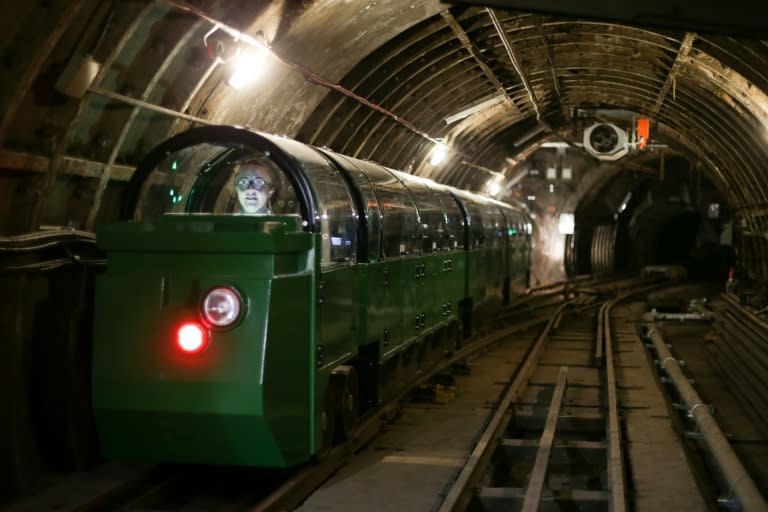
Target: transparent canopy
(360, 209)
(273, 176)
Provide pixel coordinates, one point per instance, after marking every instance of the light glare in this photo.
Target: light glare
(221, 306)
(566, 224)
(246, 67)
(438, 154)
(190, 338)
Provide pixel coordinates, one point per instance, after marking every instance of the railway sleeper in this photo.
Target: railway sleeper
(507, 499)
(531, 422)
(563, 451)
(558, 458)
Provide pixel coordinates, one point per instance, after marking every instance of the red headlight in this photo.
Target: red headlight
(191, 338)
(221, 306)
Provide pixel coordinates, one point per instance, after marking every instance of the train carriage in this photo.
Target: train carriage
(229, 338)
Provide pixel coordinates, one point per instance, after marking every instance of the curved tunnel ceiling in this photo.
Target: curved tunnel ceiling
(379, 80)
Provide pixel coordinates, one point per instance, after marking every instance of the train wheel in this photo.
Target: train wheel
(349, 399)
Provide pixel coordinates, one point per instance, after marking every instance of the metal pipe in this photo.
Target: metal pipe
(149, 106)
(739, 482)
(681, 316)
(513, 57)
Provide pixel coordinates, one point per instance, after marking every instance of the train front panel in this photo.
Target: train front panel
(172, 385)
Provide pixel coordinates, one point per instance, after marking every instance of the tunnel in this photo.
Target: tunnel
(629, 138)
(654, 223)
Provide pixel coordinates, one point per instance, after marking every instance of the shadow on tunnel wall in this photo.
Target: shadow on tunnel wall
(670, 225)
(674, 218)
(47, 429)
(689, 240)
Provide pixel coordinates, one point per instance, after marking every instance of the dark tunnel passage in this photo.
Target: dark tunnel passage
(674, 218)
(689, 240)
(677, 238)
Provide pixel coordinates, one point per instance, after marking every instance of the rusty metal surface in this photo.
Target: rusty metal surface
(417, 64)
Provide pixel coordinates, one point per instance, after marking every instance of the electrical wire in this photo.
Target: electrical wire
(45, 239)
(43, 266)
(513, 58)
(62, 240)
(309, 75)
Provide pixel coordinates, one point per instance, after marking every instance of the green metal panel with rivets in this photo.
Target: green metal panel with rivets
(231, 403)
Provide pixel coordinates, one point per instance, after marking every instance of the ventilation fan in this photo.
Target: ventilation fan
(606, 141)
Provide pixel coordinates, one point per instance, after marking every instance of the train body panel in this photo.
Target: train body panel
(338, 318)
(438, 293)
(390, 304)
(353, 281)
(381, 312)
(145, 385)
(410, 270)
(452, 282)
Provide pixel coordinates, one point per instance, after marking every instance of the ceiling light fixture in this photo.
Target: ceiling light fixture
(312, 77)
(438, 154)
(246, 66)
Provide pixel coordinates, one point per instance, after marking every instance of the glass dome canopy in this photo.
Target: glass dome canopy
(201, 171)
(194, 172)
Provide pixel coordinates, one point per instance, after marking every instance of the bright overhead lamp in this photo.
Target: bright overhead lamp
(494, 185)
(438, 154)
(245, 58)
(246, 66)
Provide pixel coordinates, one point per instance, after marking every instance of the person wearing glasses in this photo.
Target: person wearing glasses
(255, 185)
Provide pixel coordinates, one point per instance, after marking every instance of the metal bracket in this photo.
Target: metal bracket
(700, 404)
(729, 503)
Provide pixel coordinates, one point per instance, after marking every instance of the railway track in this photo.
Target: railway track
(557, 424)
(580, 403)
(555, 435)
(131, 487)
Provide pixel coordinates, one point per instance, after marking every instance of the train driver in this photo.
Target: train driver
(255, 185)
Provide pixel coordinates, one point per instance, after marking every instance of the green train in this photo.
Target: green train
(262, 295)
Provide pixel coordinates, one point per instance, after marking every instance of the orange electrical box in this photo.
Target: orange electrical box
(643, 132)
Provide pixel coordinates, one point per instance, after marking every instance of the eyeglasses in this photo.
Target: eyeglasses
(247, 182)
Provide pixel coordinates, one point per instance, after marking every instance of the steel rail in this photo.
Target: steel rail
(599, 338)
(604, 345)
(615, 460)
(295, 490)
(458, 498)
(539, 473)
(737, 478)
